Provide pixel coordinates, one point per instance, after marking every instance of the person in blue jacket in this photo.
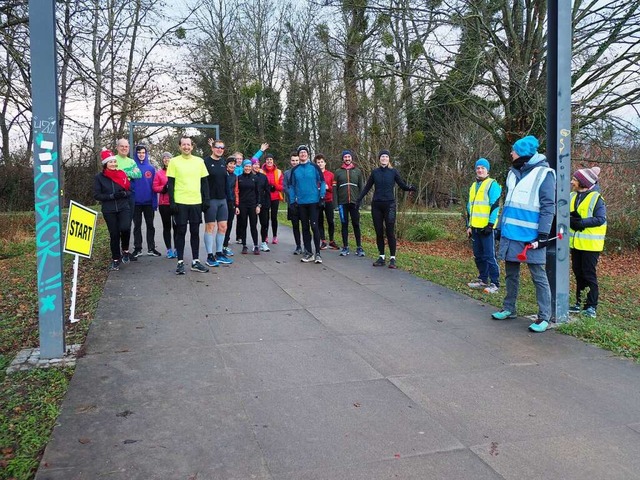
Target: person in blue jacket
(306, 192)
(146, 203)
(527, 215)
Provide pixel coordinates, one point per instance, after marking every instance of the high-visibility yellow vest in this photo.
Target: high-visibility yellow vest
(590, 239)
(479, 206)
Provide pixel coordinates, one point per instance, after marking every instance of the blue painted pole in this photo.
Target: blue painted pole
(559, 147)
(46, 174)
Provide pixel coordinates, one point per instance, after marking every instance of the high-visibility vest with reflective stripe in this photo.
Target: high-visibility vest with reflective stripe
(521, 212)
(590, 239)
(479, 206)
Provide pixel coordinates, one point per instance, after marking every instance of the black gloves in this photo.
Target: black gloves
(488, 230)
(413, 188)
(121, 194)
(497, 235)
(576, 224)
(205, 206)
(541, 242)
(272, 188)
(165, 189)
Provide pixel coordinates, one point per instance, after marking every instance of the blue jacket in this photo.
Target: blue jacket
(144, 194)
(306, 185)
(509, 249)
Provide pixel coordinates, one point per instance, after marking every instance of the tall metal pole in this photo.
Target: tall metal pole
(559, 146)
(46, 174)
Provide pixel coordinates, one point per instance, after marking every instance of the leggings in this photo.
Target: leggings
(584, 265)
(264, 222)
(194, 238)
(275, 204)
(309, 220)
(167, 224)
(232, 214)
(345, 210)
(384, 221)
(119, 226)
(241, 229)
(326, 211)
(294, 217)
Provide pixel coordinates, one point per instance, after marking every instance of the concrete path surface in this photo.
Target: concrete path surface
(274, 369)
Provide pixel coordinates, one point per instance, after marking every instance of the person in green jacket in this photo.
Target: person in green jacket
(348, 184)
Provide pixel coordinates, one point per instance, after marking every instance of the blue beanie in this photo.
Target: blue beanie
(483, 162)
(527, 146)
(245, 163)
(346, 152)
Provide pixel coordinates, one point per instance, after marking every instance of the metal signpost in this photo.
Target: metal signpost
(46, 177)
(559, 148)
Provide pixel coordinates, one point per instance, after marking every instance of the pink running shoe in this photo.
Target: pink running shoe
(274, 240)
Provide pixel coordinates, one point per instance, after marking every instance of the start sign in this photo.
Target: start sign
(81, 230)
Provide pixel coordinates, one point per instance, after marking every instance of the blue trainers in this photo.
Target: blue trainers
(344, 252)
(223, 259)
(589, 312)
(503, 315)
(539, 327)
(211, 261)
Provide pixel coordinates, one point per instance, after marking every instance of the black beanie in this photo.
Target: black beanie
(383, 152)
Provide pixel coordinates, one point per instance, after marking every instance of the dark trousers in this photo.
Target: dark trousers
(147, 211)
(247, 214)
(275, 204)
(294, 217)
(231, 207)
(583, 264)
(326, 211)
(264, 222)
(119, 226)
(309, 222)
(190, 215)
(383, 215)
(167, 224)
(346, 210)
(484, 253)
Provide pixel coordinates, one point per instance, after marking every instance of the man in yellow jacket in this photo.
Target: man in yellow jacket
(587, 229)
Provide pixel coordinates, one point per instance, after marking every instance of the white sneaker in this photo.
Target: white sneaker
(477, 284)
(264, 247)
(492, 288)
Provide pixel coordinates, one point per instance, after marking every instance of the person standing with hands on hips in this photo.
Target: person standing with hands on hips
(482, 215)
(383, 205)
(527, 215)
(587, 229)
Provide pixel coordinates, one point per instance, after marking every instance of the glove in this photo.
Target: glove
(272, 188)
(575, 214)
(173, 208)
(541, 242)
(321, 202)
(357, 205)
(205, 206)
(120, 194)
(165, 189)
(413, 188)
(488, 230)
(576, 224)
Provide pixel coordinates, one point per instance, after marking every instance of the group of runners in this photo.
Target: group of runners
(188, 189)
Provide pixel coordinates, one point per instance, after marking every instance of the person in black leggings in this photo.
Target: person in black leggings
(383, 205)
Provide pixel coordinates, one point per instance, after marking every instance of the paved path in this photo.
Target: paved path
(274, 369)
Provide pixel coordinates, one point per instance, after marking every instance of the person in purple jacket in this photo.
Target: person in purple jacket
(146, 203)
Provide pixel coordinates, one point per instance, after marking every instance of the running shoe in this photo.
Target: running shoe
(126, 258)
(264, 247)
(360, 252)
(238, 241)
(115, 265)
(307, 257)
(575, 308)
(274, 240)
(333, 245)
(323, 245)
(136, 253)
(170, 253)
(392, 263)
(154, 253)
(344, 252)
(589, 312)
(539, 326)
(223, 259)
(379, 262)
(298, 251)
(245, 250)
(477, 283)
(503, 315)
(318, 258)
(227, 251)
(180, 268)
(256, 250)
(196, 266)
(492, 288)
(211, 261)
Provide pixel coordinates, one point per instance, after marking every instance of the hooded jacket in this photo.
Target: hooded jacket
(143, 186)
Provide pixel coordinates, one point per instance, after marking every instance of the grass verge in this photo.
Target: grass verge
(30, 401)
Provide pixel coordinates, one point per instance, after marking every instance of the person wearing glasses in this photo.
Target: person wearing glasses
(218, 213)
(307, 190)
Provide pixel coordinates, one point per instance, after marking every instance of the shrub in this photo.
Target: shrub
(424, 231)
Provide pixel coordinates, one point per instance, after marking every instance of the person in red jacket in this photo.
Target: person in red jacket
(276, 188)
(161, 187)
(327, 209)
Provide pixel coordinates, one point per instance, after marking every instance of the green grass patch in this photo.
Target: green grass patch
(424, 231)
